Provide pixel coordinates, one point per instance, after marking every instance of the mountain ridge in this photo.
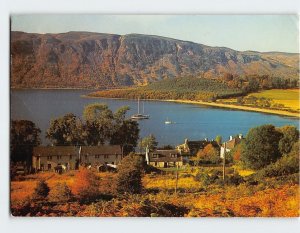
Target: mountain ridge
(101, 60)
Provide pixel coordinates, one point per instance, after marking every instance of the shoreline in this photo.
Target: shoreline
(217, 105)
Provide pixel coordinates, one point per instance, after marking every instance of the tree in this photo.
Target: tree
(99, 123)
(149, 141)
(290, 136)
(129, 178)
(236, 152)
(208, 154)
(24, 135)
(60, 193)
(41, 190)
(126, 135)
(286, 165)
(86, 185)
(260, 146)
(219, 139)
(66, 130)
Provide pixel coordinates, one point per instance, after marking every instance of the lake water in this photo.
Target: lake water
(194, 122)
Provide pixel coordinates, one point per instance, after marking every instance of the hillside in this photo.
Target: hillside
(96, 60)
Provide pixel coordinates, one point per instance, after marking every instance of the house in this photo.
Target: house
(230, 144)
(192, 147)
(101, 155)
(48, 158)
(164, 158)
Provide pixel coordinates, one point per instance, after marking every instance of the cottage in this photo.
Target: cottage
(48, 158)
(164, 158)
(193, 147)
(230, 144)
(101, 155)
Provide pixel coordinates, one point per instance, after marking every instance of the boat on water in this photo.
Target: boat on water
(167, 122)
(140, 116)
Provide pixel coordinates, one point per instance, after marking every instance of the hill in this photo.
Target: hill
(97, 60)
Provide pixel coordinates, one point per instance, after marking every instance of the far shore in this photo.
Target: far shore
(218, 105)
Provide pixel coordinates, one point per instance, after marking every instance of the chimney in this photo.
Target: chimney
(240, 136)
(230, 138)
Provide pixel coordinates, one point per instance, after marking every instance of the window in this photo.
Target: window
(97, 156)
(106, 156)
(85, 156)
(49, 157)
(155, 155)
(58, 157)
(173, 156)
(71, 156)
(49, 166)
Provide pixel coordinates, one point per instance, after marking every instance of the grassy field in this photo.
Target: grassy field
(289, 98)
(192, 199)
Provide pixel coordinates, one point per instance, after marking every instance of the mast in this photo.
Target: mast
(143, 108)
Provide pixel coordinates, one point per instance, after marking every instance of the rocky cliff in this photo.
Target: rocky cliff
(95, 60)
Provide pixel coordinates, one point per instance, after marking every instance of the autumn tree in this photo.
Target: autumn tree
(129, 178)
(86, 185)
(24, 135)
(260, 146)
(208, 154)
(41, 190)
(66, 130)
(236, 152)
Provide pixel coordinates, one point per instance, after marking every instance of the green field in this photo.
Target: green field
(289, 97)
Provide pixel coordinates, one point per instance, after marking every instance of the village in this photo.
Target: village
(108, 157)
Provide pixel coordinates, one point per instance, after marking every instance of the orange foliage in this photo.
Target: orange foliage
(208, 152)
(85, 185)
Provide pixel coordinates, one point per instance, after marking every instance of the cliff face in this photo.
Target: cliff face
(95, 60)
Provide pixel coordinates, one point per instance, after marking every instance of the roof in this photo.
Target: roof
(194, 146)
(165, 156)
(232, 143)
(165, 153)
(103, 149)
(54, 150)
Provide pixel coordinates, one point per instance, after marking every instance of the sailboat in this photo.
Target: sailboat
(168, 121)
(139, 116)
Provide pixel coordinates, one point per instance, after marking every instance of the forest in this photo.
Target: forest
(200, 89)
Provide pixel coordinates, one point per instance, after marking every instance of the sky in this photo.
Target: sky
(261, 33)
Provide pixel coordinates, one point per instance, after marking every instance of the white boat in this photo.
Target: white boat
(167, 122)
(139, 116)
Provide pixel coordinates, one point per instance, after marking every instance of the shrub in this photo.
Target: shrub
(86, 185)
(129, 178)
(60, 193)
(235, 179)
(41, 190)
(287, 165)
